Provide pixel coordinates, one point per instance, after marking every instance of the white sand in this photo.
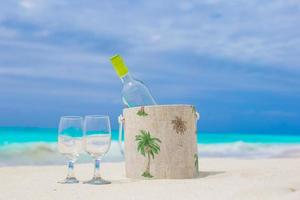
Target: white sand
(219, 179)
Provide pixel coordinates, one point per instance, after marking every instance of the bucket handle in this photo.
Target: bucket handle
(121, 121)
(197, 116)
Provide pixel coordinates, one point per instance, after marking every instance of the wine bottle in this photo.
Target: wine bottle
(134, 92)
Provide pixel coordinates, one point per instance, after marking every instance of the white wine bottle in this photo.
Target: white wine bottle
(134, 92)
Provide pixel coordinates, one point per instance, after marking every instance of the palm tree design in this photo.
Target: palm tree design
(142, 112)
(194, 110)
(148, 146)
(195, 113)
(196, 162)
(179, 125)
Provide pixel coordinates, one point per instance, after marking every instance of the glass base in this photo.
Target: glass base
(97, 181)
(69, 180)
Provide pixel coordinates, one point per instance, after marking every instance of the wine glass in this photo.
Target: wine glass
(70, 133)
(96, 142)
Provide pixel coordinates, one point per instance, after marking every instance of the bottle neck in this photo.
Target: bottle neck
(126, 78)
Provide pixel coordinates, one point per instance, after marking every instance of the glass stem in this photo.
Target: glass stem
(97, 168)
(70, 169)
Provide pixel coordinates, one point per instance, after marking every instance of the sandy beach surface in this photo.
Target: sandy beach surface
(219, 179)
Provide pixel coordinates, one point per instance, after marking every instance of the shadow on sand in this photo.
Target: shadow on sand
(203, 174)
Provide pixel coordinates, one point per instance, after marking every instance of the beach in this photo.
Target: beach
(232, 166)
(220, 178)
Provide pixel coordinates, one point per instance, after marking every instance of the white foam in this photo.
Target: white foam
(249, 150)
(47, 154)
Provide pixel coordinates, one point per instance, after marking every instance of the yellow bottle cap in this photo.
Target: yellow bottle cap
(119, 65)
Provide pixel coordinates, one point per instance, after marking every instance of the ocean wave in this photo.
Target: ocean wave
(43, 153)
(249, 150)
(47, 154)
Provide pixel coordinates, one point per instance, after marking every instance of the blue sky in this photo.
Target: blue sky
(237, 61)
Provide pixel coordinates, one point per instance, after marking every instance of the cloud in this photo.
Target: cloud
(186, 51)
(259, 30)
(239, 30)
(28, 4)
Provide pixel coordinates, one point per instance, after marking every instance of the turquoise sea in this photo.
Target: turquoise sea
(23, 146)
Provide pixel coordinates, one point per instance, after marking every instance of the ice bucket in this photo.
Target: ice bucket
(160, 141)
